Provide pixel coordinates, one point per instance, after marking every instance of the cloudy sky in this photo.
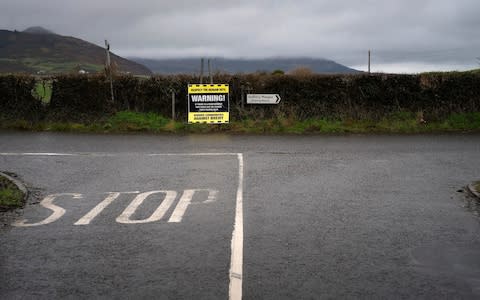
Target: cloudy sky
(404, 35)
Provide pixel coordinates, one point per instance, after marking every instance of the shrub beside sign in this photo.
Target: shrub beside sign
(208, 103)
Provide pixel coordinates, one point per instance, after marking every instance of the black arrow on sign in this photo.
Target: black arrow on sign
(278, 99)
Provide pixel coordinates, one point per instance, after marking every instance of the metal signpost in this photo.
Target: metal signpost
(208, 103)
(263, 98)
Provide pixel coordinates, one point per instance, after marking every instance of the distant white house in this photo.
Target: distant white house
(82, 72)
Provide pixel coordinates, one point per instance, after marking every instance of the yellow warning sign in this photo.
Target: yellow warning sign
(208, 117)
(208, 103)
(208, 89)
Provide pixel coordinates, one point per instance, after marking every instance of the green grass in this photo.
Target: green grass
(132, 121)
(43, 91)
(127, 121)
(10, 195)
(476, 185)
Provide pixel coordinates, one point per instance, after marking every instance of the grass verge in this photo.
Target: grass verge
(10, 196)
(127, 121)
(476, 185)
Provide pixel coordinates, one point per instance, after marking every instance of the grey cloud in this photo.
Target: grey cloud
(398, 32)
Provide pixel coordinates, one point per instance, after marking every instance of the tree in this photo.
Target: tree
(301, 71)
(278, 72)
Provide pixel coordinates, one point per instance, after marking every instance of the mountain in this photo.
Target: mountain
(232, 66)
(37, 50)
(38, 30)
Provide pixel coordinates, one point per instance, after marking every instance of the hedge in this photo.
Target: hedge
(86, 98)
(17, 100)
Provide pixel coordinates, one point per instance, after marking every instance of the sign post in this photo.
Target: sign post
(108, 68)
(208, 103)
(263, 98)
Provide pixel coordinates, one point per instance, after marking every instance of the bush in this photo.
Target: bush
(434, 96)
(16, 99)
(79, 98)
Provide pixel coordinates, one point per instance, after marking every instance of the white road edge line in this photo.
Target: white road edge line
(110, 154)
(192, 154)
(36, 154)
(236, 261)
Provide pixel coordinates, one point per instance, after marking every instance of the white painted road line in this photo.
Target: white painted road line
(181, 207)
(98, 154)
(192, 154)
(236, 261)
(157, 215)
(36, 154)
(85, 220)
(212, 196)
(185, 201)
(94, 154)
(57, 211)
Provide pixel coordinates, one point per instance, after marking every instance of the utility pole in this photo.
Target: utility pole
(210, 72)
(201, 70)
(108, 68)
(369, 60)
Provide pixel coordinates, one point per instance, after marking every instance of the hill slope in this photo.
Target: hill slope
(192, 65)
(37, 49)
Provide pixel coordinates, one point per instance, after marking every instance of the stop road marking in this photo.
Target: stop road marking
(126, 216)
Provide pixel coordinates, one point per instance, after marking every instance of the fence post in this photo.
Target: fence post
(242, 88)
(173, 105)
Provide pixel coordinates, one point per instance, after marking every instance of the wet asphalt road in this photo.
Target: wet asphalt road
(324, 217)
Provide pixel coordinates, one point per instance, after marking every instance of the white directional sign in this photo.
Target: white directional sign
(263, 98)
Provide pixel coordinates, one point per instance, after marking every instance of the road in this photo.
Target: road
(261, 217)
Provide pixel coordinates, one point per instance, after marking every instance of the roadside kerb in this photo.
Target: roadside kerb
(19, 185)
(471, 188)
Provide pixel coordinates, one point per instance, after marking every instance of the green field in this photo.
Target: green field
(54, 66)
(49, 66)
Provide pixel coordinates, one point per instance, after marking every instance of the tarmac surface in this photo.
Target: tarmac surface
(145, 216)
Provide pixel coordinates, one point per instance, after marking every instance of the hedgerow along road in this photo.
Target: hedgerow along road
(252, 217)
